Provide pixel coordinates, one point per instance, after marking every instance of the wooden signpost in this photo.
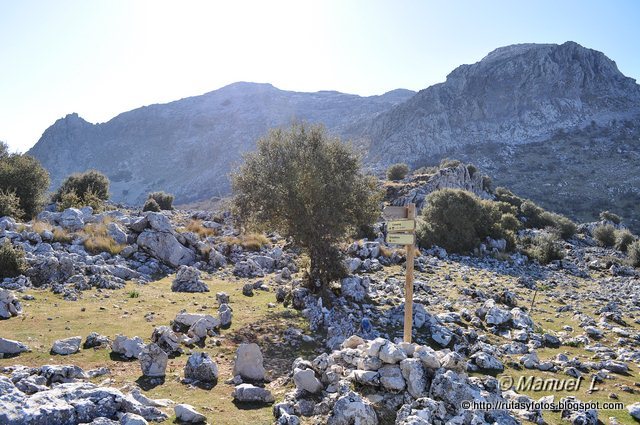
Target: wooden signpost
(401, 225)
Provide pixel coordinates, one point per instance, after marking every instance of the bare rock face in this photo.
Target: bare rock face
(249, 362)
(172, 141)
(516, 94)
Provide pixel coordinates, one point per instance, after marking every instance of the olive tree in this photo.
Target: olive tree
(309, 187)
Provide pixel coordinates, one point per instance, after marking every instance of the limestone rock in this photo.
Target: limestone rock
(248, 393)
(127, 347)
(352, 409)
(66, 346)
(200, 367)
(305, 379)
(11, 347)
(248, 362)
(9, 305)
(188, 280)
(188, 414)
(153, 361)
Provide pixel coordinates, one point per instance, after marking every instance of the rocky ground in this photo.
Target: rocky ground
(165, 317)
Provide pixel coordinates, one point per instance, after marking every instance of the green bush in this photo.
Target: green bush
(472, 169)
(72, 200)
(449, 163)
(534, 215)
(10, 204)
(561, 224)
(505, 195)
(609, 216)
(397, 171)
(310, 187)
(605, 234)
(92, 183)
(458, 221)
(633, 254)
(12, 262)
(151, 205)
(624, 238)
(545, 248)
(23, 176)
(164, 200)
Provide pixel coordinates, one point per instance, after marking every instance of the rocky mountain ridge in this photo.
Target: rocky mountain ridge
(494, 113)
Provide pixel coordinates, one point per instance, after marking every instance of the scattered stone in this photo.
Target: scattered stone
(66, 346)
(305, 379)
(187, 414)
(188, 280)
(127, 347)
(153, 361)
(200, 367)
(248, 393)
(95, 340)
(247, 289)
(248, 362)
(9, 347)
(9, 305)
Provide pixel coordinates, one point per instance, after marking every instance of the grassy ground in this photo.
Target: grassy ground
(48, 318)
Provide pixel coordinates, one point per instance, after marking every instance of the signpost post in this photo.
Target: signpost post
(401, 226)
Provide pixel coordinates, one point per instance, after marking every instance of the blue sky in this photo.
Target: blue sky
(102, 57)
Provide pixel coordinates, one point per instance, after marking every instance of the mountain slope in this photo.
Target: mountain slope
(517, 94)
(188, 147)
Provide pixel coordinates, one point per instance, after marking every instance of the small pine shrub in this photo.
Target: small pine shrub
(505, 195)
(609, 216)
(472, 169)
(561, 224)
(25, 177)
(10, 204)
(12, 262)
(164, 200)
(151, 205)
(397, 172)
(624, 238)
(545, 248)
(633, 254)
(72, 200)
(605, 234)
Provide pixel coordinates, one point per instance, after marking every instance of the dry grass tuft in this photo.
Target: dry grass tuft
(40, 227)
(61, 235)
(195, 226)
(249, 242)
(98, 240)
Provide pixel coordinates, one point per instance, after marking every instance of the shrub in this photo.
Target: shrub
(534, 215)
(12, 262)
(91, 181)
(72, 200)
(309, 187)
(164, 200)
(561, 224)
(609, 216)
(605, 234)
(633, 254)
(545, 248)
(449, 163)
(23, 176)
(397, 171)
(458, 221)
(472, 169)
(151, 205)
(10, 204)
(505, 195)
(624, 238)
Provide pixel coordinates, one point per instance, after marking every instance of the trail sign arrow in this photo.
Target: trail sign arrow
(401, 226)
